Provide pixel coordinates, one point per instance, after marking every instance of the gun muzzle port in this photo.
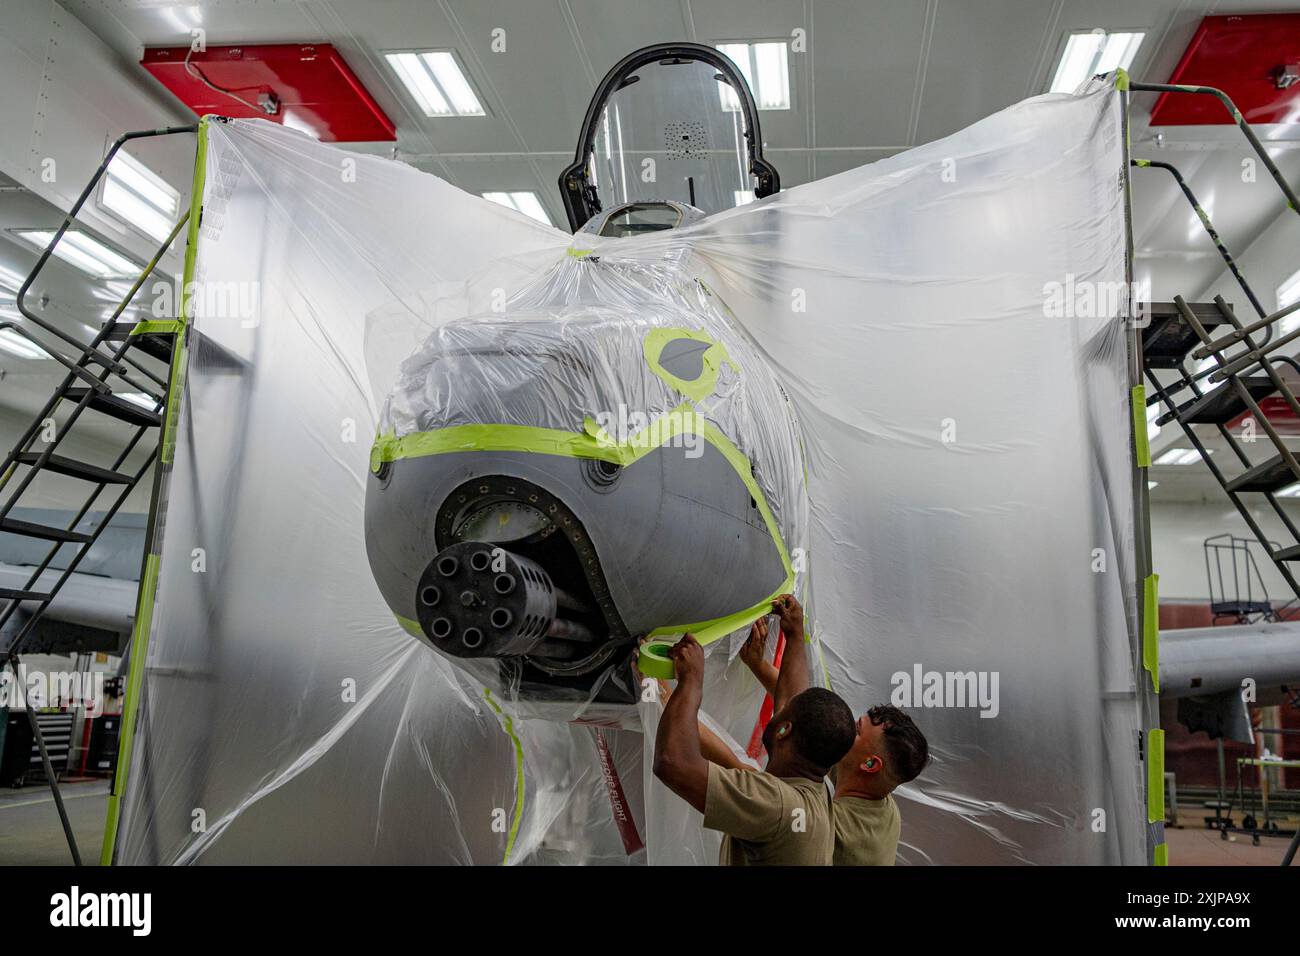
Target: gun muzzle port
(447, 565)
(501, 618)
(441, 627)
(480, 560)
(504, 583)
(430, 595)
(471, 637)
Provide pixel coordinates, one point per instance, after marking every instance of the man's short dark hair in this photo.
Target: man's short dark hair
(906, 746)
(823, 726)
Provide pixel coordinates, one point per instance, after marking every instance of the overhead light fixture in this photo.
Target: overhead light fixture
(1153, 412)
(743, 197)
(83, 251)
(1151, 485)
(113, 292)
(436, 81)
(1290, 491)
(1287, 294)
(524, 202)
(1090, 54)
(139, 399)
(14, 344)
(1181, 456)
(10, 281)
(765, 67)
(140, 197)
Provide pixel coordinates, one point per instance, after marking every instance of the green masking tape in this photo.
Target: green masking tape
(1151, 629)
(1155, 775)
(1142, 445)
(654, 661)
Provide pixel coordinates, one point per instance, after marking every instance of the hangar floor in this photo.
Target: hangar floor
(30, 833)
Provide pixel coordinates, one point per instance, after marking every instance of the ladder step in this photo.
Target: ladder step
(1221, 405)
(1287, 554)
(1167, 339)
(31, 530)
(1270, 476)
(118, 408)
(157, 344)
(17, 594)
(76, 469)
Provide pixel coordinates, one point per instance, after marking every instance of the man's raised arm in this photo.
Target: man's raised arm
(679, 762)
(794, 677)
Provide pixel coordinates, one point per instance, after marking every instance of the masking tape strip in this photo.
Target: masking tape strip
(1155, 775)
(1141, 444)
(1151, 628)
(508, 725)
(157, 327)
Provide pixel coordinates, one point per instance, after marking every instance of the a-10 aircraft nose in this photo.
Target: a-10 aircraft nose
(599, 466)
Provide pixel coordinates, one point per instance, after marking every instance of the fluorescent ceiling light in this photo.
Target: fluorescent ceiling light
(83, 251)
(113, 292)
(15, 344)
(744, 197)
(140, 197)
(10, 281)
(1290, 491)
(1287, 293)
(139, 399)
(1181, 456)
(1153, 412)
(525, 202)
(1088, 54)
(437, 82)
(766, 69)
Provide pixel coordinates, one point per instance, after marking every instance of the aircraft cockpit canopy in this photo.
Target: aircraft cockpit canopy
(672, 122)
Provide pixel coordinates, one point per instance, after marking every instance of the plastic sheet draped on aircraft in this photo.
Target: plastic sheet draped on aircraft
(965, 455)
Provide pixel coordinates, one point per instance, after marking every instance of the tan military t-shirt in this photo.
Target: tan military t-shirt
(866, 831)
(757, 813)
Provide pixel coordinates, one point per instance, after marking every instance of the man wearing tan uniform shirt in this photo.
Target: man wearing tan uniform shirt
(778, 817)
(888, 751)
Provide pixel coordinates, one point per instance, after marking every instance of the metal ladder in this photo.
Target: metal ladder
(1245, 366)
(97, 373)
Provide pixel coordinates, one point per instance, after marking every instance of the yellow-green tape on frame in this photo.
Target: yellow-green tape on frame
(1155, 775)
(157, 327)
(1141, 444)
(1151, 628)
(1161, 855)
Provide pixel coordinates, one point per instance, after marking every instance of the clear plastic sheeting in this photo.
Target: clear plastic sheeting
(966, 448)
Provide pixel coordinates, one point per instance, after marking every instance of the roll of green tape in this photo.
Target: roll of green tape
(654, 661)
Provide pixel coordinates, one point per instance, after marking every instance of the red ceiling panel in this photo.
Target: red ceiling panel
(1241, 56)
(316, 89)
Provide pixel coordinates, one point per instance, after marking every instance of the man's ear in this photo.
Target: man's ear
(783, 730)
(872, 764)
